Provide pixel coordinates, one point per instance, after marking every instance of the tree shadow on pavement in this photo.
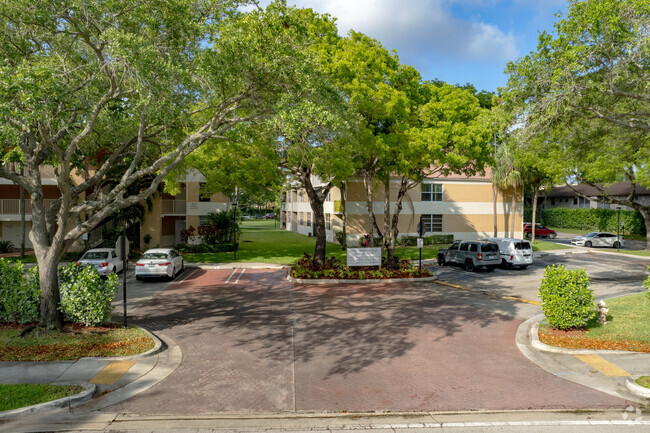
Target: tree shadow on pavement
(352, 326)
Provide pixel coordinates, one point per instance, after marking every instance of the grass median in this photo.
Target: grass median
(72, 343)
(27, 394)
(260, 242)
(628, 328)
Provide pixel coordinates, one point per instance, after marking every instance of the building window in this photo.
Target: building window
(432, 223)
(328, 221)
(329, 196)
(302, 218)
(204, 195)
(288, 196)
(575, 201)
(552, 202)
(308, 219)
(431, 192)
(203, 220)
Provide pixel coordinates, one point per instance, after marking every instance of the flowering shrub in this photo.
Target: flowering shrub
(335, 269)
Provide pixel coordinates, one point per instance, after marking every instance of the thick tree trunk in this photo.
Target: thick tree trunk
(534, 217)
(368, 180)
(344, 216)
(48, 268)
(388, 239)
(21, 205)
(645, 212)
(393, 233)
(316, 199)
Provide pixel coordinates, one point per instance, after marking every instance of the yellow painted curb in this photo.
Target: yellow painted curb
(112, 372)
(605, 367)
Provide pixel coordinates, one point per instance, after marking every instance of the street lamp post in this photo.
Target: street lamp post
(234, 228)
(618, 228)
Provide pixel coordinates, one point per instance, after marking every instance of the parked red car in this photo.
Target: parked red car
(540, 231)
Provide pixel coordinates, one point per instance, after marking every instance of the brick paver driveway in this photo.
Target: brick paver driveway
(254, 343)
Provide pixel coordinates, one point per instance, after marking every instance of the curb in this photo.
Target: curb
(534, 340)
(534, 337)
(65, 402)
(635, 388)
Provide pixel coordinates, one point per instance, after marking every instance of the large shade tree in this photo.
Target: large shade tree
(585, 89)
(86, 86)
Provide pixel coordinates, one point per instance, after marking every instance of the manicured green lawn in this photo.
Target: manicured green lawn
(284, 248)
(263, 223)
(547, 246)
(644, 381)
(58, 346)
(27, 394)
(628, 328)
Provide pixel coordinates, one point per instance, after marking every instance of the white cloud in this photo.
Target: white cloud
(419, 28)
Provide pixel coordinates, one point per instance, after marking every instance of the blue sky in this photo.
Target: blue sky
(457, 41)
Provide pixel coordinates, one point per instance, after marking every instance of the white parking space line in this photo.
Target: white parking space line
(188, 275)
(242, 273)
(233, 273)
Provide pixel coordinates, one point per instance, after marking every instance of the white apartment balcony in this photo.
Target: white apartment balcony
(174, 207)
(10, 209)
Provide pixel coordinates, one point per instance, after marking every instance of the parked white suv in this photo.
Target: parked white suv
(514, 252)
(471, 255)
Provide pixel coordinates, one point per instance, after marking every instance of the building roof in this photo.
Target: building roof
(617, 189)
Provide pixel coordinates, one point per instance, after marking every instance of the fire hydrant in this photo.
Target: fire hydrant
(602, 313)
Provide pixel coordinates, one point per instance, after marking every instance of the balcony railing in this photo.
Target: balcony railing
(174, 207)
(12, 206)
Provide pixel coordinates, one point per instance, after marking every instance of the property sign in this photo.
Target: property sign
(420, 243)
(364, 257)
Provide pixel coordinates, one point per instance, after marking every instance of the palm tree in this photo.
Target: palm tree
(506, 174)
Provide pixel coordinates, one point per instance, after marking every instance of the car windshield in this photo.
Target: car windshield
(154, 256)
(522, 245)
(95, 255)
(591, 235)
(490, 248)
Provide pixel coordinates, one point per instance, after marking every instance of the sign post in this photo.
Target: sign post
(420, 240)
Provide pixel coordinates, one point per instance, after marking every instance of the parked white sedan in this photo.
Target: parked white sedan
(598, 239)
(159, 262)
(105, 260)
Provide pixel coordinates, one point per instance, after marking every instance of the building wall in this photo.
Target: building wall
(466, 209)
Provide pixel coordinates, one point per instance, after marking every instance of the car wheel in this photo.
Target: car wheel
(528, 235)
(522, 267)
(139, 278)
(504, 264)
(441, 261)
(469, 266)
(552, 235)
(616, 244)
(588, 244)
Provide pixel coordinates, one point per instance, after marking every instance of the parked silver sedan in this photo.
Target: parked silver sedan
(599, 239)
(159, 262)
(105, 260)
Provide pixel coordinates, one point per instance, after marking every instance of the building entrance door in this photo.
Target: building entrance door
(180, 226)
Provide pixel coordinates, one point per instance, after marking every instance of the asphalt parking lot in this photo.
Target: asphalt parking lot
(609, 275)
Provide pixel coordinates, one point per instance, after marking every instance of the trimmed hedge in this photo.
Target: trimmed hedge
(567, 299)
(590, 219)
(207, 248)
(19, 293)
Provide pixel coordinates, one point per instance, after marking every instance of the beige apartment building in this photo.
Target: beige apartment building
(163, 224)
(455, 205)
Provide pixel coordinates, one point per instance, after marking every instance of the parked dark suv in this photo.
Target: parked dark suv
(471, 254)
(540, 231)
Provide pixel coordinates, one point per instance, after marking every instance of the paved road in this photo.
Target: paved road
(253, 343)
(609, 275)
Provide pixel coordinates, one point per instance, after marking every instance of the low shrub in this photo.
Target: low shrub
(567, 300)
(19, 293)
(340, 238)
(335, 268)
(86, 297)
(412, 241)
(6, 246)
